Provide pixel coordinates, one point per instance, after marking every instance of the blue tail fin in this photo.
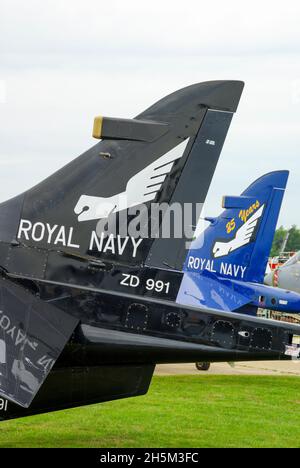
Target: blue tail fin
(237, 243)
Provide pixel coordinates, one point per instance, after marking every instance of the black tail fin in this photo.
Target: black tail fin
(133, 164)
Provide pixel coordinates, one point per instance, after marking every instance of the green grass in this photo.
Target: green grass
(178, 411)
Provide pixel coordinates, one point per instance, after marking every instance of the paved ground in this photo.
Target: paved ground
(240, 368)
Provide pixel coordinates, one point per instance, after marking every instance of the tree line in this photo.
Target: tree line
(287, 240)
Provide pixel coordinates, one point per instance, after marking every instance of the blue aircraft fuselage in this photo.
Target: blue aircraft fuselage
(217, 292)
(268, 297)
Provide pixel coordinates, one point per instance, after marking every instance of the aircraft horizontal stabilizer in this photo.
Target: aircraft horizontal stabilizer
(79, 386)
(32, 335)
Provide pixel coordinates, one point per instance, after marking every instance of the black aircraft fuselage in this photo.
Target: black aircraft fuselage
(86, 315)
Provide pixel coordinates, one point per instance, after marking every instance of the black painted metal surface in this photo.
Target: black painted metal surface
(32, 335)
(117, 303)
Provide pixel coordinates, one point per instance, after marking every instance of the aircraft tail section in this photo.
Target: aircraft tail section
(237, 244)
(167, 154)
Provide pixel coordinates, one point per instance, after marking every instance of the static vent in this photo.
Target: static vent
(137, 317)
(173, 319)
(261, 338)
(223, 333)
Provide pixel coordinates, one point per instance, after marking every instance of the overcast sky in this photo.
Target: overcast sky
(63, 62)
